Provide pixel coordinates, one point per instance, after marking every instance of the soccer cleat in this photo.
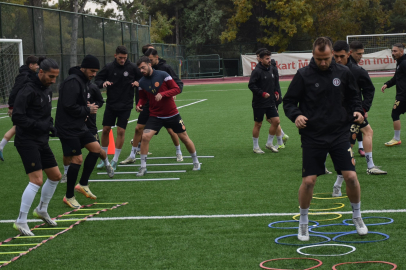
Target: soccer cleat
(64, 178)
(327, 171)
(361, 152)
(110, 171)
(337, 191)
(71, 202)
(282, 146)
(179, 157)
(128, 160)
(45, 217)
(196, 166)
(375, 170)
(360, 226)
(258, 151)
(393, 142)
(303, 233)
(23, 229)
(85, 191)
(272, 147)
(285, 138)
(142, 171)
(1, 155)
(100, 165)
(114, 165)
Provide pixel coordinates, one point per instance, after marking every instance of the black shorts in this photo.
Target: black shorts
(270, 112)
(314, 159)
(175, 123)
(399, 107)
(110, 117)
(73, 146)
(356, 129)
(36, 157)
(95, 134)
(143, 116)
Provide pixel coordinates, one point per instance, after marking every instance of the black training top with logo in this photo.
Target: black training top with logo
(399, 79)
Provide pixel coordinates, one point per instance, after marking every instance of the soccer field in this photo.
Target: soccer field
(216, 218)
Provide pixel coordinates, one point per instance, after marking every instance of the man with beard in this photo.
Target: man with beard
(159, 88)
(399, 79)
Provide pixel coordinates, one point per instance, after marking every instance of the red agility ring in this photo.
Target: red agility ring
(394, 265)
(264, 267)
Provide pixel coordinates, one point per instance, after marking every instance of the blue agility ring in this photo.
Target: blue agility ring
(312, 230)
(355, 242)
(345, 221)
(283, 221)
(328, 239)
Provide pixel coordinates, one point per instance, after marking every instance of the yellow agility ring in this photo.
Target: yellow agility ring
(329, 198)
(315, 214)
(341, 205)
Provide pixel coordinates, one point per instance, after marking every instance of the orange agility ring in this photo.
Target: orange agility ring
(394, 265)
(264, 267)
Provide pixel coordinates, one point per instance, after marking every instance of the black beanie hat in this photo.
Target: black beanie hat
(90, 61)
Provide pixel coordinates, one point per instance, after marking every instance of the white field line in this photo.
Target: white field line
(220, 216)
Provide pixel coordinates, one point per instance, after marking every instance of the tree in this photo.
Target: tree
(78, 7)
(161, 27)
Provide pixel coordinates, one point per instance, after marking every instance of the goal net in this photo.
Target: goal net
(11, 58)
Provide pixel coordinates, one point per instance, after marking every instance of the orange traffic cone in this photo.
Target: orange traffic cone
(112, 147)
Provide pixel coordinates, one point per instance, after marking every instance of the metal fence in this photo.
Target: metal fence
(51, 32)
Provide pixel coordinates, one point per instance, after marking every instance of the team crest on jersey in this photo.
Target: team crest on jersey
(125, 73)
(336, 82)
(156, 84)
(88, 95)
(317, 85)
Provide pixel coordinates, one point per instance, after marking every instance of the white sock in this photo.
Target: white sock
(48, 190)
(2, 144)
(360, 145)
(370, 161)
(116, 155)
(105, 149)
(339, 181)
(134, 151)
(143, 160)
(106, 161)
(194, 157)
(279, 139)
(270, 139)
(356, 210)
(397, 135)
(304, 216)
(65, 169)
(26, 201)
(178, 151)
(255, 140)
(282, 133)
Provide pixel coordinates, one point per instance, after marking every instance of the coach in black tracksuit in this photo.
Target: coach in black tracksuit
(32, 117)
(94, 96)
(71, 114)
(323, 100)
(399, 79)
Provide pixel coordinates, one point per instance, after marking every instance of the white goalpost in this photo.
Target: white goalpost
(11, 59)
(377, 42)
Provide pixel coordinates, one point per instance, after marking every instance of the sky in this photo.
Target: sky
(92, 5)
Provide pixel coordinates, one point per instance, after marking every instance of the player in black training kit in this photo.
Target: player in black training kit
(26, 71)
(119, 77)
(341, 52)
(72, 111)
(264, 96)
(33, 121)
(323, 100)
(399, 79)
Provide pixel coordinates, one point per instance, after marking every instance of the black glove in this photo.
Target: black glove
(53, 132)
(43, 126)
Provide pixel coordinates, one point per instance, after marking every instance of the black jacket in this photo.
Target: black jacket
(162, 65)
(399, 79)
(328, 99)
(262, 80)
(365, 85)
(32, 113)
(94, 96)
(276, 75)
(120, 95)
(72, 109)
(22, 77)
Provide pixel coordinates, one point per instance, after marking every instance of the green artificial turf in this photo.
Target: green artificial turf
(235, 182)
